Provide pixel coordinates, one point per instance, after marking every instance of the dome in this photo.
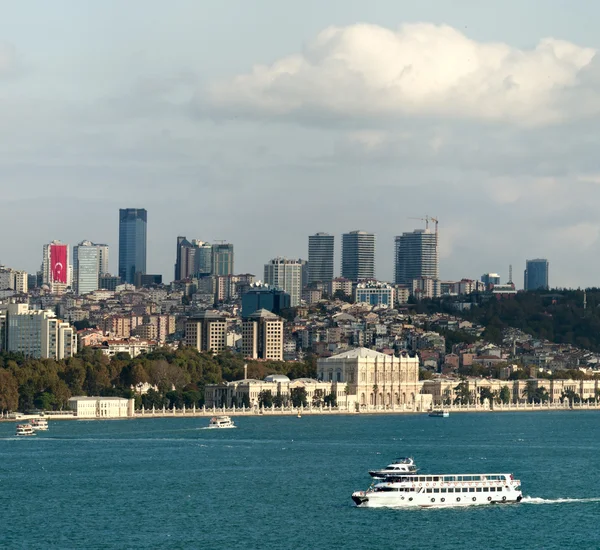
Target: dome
(276, 378)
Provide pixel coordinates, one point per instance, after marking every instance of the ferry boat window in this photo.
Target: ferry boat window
(429, 478)
(429, 490)
(436, 490)
(436, 478)
(450, 490)
(499, 489)
(443, 490)
(471, 489)
(448, 478)
(479, 490)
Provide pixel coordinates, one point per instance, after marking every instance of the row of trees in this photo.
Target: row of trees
(178, 376)
(297, 398)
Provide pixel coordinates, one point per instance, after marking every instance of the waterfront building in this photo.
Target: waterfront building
(56, 267)
(358, 255)
(320, 257)
(132, 243)
(286, 275)
(101, 407)
(416, 256)
(38, 333)
(263, 296)
(222, 259)
(86, 267)
(374, 379)
(536, 274)
(207, 331)
(262, 336)
(374, 293)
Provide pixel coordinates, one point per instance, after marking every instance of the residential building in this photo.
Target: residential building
(222, 259)
(56, 267)
(320, 257)
(263, 296)
(207, 331)
(425, 287)
(374, 293)
(14, 280)
(416, 256)
(86, 267)
(536, 274)
(38, 333)
(132, 243)
(262, 336)
(358, 255)
(194, 259)
(339, 284)
(286, 275)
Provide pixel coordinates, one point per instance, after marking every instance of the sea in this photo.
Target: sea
(285, 482)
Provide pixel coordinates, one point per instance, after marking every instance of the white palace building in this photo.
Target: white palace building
(359, 378)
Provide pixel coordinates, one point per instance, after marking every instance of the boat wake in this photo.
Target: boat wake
(537, 500)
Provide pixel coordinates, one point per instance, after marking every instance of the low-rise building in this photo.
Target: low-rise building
(101, 407)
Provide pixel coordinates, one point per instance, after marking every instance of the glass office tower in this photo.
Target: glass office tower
(132, 243)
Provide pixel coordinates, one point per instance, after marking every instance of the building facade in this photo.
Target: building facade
(262, 336)
(374, 293)
(416, 256)
(358, 255)
(132, 243)
(286, 275)
(536, 274)
(320, 257)
(263, 296)
(101, 407)
(207, 332)
(222, 259)
(56, 267)
(86, 267)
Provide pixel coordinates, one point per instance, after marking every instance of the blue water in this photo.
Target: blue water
(286, 482)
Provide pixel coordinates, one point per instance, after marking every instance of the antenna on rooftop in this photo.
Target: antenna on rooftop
(510, 274)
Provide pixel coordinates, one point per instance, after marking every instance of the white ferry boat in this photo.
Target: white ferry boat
(24, 430)
(436, 491)
(221, 422)
(402, 465)
(439, 413)
(39, 424)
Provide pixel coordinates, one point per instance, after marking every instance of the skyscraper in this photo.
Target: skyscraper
(132, 243)
(286, 275)
(222, 259)
(56, 267)
(86, 267)
(416, 256)
(358, 255)
(320, 257)
(193, 259)
(536, 274)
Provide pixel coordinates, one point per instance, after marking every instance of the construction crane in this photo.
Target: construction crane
(428, 219)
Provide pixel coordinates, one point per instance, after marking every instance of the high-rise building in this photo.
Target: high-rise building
(320, 257)
(358, 255)
(222, 259)
(261, 296)
(56, 267)
(86, 266)
(132, 243)
(38, 333)
(490, 280)
(286, 275)
(11, 279)
(194, 259)
(416, 256)
(262, 336)
(536, 274)
(207, 332)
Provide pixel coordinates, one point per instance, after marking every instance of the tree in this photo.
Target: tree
(463, 395)
(9, 391)
(572, 396)
(299, 397)
(265, 398)
(505, 395)
(331, 399)
(486, 393)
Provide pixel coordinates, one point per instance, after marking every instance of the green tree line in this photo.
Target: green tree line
(179, 376)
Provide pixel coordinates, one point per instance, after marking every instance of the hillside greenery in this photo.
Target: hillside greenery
(179, 376)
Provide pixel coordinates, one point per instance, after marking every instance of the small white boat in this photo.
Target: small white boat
(24, 430)
(402, 465)
(221, 422)
(39, 424)
(439, 413)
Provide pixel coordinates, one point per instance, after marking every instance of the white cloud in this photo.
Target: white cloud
(420, 70)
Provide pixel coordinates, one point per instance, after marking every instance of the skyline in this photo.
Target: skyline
(209, 122)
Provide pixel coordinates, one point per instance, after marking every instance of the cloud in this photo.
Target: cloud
(421, 70)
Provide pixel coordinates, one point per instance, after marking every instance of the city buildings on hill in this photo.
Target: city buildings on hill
(416, 256)
(90, 261)
(320, 257)
(358, 255)
(132, 243)
(286, 275)
(536, 274)
(262, 336)
(56, 267)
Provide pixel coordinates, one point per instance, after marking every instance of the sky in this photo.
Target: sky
(260, 123)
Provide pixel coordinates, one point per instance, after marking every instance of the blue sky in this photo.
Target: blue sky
(263, 122)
